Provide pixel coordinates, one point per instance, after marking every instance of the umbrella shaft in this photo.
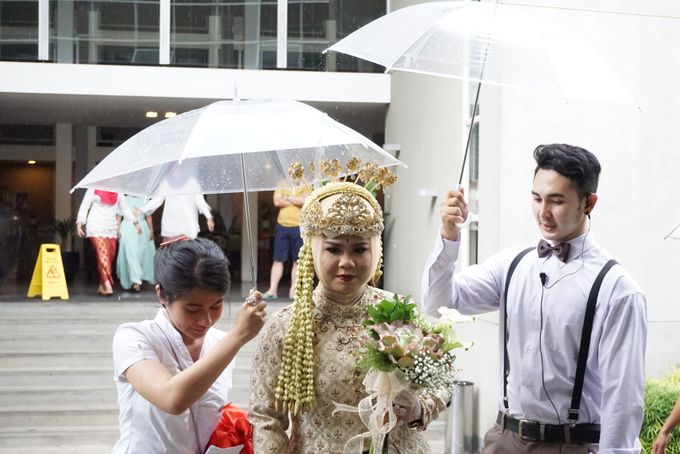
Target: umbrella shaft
(246, 207)
(469, 137)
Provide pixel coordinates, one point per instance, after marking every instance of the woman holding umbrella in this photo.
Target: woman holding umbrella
(173, 373)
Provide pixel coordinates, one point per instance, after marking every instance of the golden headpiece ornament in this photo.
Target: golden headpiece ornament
(339, 207)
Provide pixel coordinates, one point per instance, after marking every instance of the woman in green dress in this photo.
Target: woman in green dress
(136, 250)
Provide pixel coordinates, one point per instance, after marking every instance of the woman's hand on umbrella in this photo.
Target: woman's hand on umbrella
(454, 210)
(250, 318)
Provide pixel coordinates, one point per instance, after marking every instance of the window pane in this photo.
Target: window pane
(120, 32)
(221, 34)
(313, 25)
(26, 134)
(112, 136)
(19, 30)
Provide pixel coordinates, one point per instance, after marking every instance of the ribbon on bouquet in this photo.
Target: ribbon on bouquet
(375, 410)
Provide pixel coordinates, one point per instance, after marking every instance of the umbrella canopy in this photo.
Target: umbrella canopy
(486, 42)
(229, 146)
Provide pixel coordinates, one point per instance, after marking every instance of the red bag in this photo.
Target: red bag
(233, 429)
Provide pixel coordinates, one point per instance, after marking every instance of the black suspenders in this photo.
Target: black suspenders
(585, 335)
(506, 359)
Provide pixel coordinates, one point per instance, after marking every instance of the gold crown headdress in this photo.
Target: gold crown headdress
(341, 209)
(336, 208)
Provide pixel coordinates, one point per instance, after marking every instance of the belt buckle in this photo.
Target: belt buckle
(520, 430)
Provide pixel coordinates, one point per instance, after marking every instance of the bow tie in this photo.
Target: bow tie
(561, 251)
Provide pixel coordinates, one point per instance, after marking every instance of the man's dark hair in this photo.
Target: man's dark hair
(185, 265)
(575, 163)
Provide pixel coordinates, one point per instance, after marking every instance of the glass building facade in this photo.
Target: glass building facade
(238, 34)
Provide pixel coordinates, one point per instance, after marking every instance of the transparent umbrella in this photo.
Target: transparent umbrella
(487, 43)
(230, 146)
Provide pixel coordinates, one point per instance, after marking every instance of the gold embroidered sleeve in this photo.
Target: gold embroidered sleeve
(269, 425)
(433, 404)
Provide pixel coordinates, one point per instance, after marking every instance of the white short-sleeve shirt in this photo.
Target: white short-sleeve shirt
(144, 428)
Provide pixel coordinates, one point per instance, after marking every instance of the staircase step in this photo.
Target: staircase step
(29, 396)
(51, 416)
(58, 440)
(76, 358)
(56, 376)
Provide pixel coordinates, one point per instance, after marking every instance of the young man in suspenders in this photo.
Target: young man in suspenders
(573, 323)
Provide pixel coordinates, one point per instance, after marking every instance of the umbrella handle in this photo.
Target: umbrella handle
(467, 221)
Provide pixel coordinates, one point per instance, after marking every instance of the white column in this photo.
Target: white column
(282, 34)
(63, 163)
(164, 33)
(43, 30)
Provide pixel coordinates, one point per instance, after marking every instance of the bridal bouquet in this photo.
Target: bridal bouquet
(402, 353)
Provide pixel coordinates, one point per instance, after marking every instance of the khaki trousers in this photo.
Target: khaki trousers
(497, 441)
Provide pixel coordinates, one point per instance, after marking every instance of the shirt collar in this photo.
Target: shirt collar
(174, 337)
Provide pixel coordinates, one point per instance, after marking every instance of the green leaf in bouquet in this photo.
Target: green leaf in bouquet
(392, 310)
(373, 359)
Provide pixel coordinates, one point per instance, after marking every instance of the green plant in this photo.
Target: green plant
(63, 227)
(660, 396)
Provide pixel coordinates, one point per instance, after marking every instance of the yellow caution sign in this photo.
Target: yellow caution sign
(48, 275)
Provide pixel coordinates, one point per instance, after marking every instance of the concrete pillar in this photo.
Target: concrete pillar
(81, 146)
(64, 170)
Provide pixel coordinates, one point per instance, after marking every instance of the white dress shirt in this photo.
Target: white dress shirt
(99, 218)
(613, 388)
(144, 428)
(180, 214)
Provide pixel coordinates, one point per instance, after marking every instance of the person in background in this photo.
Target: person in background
(542, 406)
(97, 221)
(136, 248)
(287, 239)
(659, 446)
(173, 373)
(180, 214)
